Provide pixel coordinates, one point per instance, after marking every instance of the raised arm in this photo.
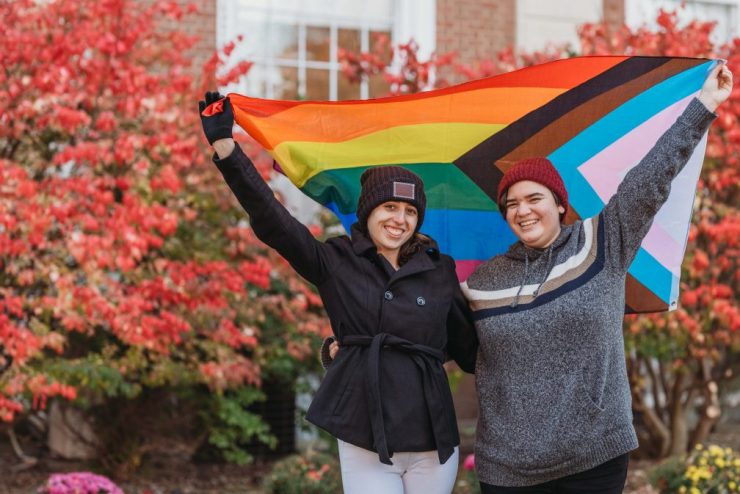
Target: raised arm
(629, 213)
(271, 222)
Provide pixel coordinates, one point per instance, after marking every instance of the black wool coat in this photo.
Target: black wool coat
(387, 390)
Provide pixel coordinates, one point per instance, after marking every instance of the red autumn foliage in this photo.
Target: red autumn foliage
(120, 246)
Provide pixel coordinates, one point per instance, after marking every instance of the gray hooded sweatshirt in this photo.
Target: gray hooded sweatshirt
(551, 374)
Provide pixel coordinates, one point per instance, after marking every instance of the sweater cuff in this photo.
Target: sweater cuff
(326, 359)
(698, 115)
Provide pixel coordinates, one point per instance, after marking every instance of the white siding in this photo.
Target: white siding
(542, 22)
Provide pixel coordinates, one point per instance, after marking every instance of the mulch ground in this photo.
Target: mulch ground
(174, 478)
(183, 478)
(177, 477)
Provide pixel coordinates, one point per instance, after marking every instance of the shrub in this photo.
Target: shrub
(313, 473)
(710, 470)
(127, 269)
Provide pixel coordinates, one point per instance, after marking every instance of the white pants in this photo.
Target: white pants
(411, 473)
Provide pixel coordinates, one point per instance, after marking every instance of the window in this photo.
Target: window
(294, 44)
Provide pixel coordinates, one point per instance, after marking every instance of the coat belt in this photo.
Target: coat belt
(428, 360)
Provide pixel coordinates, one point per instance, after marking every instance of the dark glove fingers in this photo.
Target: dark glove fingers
(212, 97)
(218, 125)
(227, 107)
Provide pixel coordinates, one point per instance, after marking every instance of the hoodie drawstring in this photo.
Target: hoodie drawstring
(547, 272)
(524, 280)
(548, 267)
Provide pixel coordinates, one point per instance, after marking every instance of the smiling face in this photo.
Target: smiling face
(390, 225)
(532, 213)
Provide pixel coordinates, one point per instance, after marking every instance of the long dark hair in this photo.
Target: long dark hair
(415, 244)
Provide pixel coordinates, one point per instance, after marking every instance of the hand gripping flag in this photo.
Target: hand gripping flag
(593, 117)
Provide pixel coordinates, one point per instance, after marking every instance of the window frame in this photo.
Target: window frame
(399, 22)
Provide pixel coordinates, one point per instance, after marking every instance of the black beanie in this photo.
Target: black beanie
(389, 183)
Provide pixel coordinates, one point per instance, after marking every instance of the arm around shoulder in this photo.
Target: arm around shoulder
(462, 340)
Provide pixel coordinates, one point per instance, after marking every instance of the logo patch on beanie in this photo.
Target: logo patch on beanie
(402, 190)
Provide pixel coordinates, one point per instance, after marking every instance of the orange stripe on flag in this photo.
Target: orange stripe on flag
(321, 122)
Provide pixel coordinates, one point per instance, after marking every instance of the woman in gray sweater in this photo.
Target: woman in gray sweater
(555, 406)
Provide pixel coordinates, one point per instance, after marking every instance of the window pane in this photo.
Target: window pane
(378, 86)
(349, 39)
(380, 44)
(347, 90)
(318, 40)
(284, 42)
(381, 41)
(317, 84)
(286, 85)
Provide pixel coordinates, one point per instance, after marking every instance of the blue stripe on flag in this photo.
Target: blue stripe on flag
(653, 275)
(464, 235)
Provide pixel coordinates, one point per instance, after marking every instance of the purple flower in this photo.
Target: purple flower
(79, 483)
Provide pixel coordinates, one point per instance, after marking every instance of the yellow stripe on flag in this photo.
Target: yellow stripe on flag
(410, 144)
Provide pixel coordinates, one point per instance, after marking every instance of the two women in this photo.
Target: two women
(396, 308)
(555, 401)
(555, 404)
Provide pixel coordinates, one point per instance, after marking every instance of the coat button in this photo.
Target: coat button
(388, 295)
(420, 301)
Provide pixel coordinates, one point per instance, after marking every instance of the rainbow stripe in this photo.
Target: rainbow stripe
(594, 117)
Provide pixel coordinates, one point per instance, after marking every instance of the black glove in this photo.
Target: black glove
(219, 125)
(324, 354)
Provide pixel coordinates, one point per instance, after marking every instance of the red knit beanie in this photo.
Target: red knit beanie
(540, 170)
(390, 183)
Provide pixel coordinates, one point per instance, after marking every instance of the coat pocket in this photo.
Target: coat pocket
(350, 388)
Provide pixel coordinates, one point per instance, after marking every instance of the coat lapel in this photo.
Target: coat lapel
(421, 262)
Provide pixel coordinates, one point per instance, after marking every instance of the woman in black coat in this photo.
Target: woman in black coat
(396, 309)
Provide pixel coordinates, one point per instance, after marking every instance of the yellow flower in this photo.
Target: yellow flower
(699, 447)
(694, 490)
(732, 485)
(682, 490)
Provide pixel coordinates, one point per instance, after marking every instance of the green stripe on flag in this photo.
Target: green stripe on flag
(446, 187)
